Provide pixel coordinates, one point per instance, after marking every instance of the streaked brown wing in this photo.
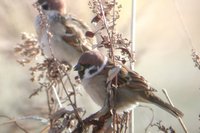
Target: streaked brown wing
(133, 80)
(75, 34)
(144, 92)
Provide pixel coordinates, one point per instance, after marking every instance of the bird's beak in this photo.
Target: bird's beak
(78, 67)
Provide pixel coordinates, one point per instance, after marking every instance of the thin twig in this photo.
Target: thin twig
(112, 33)
(107, 29)
(115, 116)
(13, 121)
(45, 25)
(74, 91)
(183, 24)
(133, 34)
(44, 130)
(132, 64)
(44, 18)
(48, 100)
(126, 122)
(150, 123)
(57, 97)
(179, 118)
(111, 39)
(70, 100)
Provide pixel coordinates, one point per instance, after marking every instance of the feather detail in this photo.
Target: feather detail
(131, 88)
(159, 102)
(132, 80)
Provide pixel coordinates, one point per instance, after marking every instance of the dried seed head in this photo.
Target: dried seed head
(28, 49)
(196, 58)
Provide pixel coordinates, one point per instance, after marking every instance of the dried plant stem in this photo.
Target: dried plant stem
(179, 118)
(48, 100)
(57, 97)
(107, 29)
(112, 51)
(150, 123)
(11, 120)
(183, 24)
(111, 39)
(45, 25)
(127, 122)
(112, 33)
(45, 129)
(70, 100)
(132, 64)
(74, 91)
(44, 18)
(133, 33)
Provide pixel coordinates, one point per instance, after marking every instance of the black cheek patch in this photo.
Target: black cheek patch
(81, 73)
(45, 7)
(93, 71)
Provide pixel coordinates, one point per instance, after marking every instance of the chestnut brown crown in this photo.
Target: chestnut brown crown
(92, 58)
(58, 5)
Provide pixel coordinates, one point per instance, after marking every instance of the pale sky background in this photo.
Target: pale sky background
(163, 54)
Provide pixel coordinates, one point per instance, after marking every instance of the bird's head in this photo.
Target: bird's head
(53, 5)
(90, 64)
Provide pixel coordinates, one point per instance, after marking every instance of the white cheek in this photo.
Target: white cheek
(87, 74)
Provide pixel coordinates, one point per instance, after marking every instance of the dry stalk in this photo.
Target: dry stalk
(11, 120)
(49, 74)
(196, 58)
(110, 36)
(179, 118)
(163, 128)
(57, 97)
(106, 14)
(28, 49)
(132, 64)
(151, 122)
(46, 26)
(195, 55)
(111, 92)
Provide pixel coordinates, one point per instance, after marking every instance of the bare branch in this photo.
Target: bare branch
(179, 118)
(13, 121)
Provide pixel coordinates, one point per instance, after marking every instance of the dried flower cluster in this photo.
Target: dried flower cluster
(122, 123)
(64, 120)
(44, 21)
(163, 128)
(49, 69)
(106, 15)
(50, 74)
(95, 6)
(199, 120)
(196, 58)
(28, 49)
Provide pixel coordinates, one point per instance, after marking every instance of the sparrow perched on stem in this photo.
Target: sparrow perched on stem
(60, 35)
(96, 71)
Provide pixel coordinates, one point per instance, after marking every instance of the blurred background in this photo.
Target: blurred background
(163, 54)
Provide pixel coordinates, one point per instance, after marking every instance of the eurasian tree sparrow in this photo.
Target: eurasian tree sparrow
(95, 71)
(68, 40)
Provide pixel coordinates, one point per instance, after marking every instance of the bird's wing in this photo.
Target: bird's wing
(135, 81)
(75, 30)
(128, 78)
(132, 80)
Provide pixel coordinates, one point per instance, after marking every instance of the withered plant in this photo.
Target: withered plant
(196, 58)
(51, 75)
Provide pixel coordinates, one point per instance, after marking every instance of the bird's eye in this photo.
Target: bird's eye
(45, 6)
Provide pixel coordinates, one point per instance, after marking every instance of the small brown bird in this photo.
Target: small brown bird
(67, 34)
(96, 71)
